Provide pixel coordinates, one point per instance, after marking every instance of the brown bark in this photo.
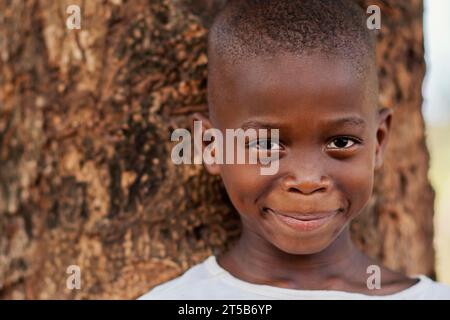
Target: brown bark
(86, 177)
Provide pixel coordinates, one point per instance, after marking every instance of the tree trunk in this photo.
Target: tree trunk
(86, 177)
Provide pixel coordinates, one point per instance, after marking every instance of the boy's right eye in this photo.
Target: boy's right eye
(264, 144)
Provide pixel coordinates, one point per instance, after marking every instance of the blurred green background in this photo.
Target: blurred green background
(436, 108)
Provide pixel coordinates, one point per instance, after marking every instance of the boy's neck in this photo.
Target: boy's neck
(254, 260)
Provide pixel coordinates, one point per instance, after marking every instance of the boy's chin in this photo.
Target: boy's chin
(302, 247)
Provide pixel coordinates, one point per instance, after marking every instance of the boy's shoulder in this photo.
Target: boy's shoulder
(206, 280)
(192, 282)
(436, 290)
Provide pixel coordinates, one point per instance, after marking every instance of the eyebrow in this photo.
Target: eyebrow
(355, 121)
(253, 124)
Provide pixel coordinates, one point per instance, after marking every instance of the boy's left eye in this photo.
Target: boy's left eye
(342, 143)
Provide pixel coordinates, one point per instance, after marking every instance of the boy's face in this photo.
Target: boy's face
(331, 139)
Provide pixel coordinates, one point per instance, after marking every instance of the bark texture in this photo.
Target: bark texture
(85, 172)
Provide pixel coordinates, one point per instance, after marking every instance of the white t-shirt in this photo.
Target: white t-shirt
(209, 281)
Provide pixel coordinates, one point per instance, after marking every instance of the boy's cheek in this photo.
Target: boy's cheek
(243, 183)
(356, 183)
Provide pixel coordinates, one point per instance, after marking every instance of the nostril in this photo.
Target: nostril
(306, 191)
(266, 210)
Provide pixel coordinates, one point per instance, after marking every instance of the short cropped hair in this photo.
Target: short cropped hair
(253, 28)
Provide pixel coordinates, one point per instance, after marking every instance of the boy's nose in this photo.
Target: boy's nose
(305, 184)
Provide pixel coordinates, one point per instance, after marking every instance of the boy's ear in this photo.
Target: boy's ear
(383, 131)
(199, 130)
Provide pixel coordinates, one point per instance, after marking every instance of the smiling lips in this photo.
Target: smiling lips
(303, 221)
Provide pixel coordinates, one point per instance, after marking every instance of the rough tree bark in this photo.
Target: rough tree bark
(86, 177)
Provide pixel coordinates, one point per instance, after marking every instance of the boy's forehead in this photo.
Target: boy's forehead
(287, 73)
(288, 84)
